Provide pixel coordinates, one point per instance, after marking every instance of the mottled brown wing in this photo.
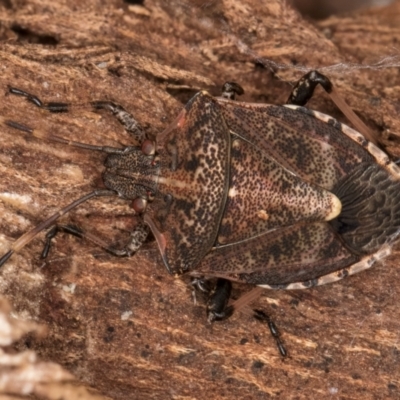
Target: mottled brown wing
(301, 252)
(193, 184)
(263, 196)
(314, 150)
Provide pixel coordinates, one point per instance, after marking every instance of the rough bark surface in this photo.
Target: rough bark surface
(124, 326)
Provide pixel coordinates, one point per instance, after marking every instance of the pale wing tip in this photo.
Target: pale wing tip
(335, 209)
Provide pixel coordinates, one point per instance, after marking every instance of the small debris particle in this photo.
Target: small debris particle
(126, 315)
(262, 214)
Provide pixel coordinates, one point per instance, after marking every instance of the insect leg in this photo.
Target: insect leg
(126, 119)
(138, 236)
(219, 296)
(200, 284)
(27, 237)
(304, 90)
(217, 305)
(263, 317)
(52, 233)
(230, 90)
(218, 308)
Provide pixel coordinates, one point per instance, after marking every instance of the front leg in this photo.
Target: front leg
(138, 237)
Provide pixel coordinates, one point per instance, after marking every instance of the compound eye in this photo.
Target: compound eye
(139, 205)
(148, 148)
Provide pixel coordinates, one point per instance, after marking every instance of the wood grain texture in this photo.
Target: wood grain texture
(125, 326)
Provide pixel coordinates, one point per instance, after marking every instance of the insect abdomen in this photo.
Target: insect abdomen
(370, 214)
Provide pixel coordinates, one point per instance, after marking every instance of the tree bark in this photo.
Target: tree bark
(123, 325)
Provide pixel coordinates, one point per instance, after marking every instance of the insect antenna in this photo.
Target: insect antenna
(40, 134)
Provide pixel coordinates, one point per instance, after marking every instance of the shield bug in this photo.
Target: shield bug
(281, 197)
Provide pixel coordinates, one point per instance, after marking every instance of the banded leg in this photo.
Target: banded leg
(200, 285)
(242, 304)
(126, 119)
(263, 317)
(304, 90)
(138, 237)
(28, 236)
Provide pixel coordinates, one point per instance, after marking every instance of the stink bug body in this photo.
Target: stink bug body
(277, 196)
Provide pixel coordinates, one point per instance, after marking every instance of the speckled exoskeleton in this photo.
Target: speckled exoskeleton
(277, 196)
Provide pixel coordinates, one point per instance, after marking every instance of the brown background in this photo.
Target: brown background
(343, 339)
